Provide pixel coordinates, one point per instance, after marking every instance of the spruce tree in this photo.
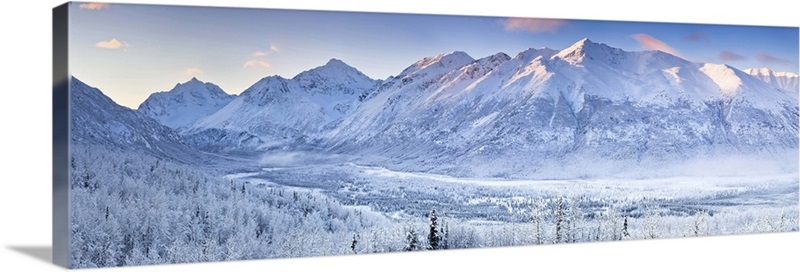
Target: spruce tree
(625, 232)
(559, 213)
(446, 231)
(433, 236)
(536, 214)
(411, 240)
(353, 245)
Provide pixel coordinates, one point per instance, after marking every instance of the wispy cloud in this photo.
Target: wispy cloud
(698, 37)
(650, 43)
(112, 44)
(730, 56)
(194, 71)
(94, 6)
(770, 59)
(259, 57)
(256, 63)
(272, 50)
(534, 25)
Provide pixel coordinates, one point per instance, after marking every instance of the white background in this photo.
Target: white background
(25, 169)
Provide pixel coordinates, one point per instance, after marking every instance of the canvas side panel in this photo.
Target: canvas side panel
(61, 136)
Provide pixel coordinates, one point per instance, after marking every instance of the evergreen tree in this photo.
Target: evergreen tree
(411, 240)
(698, 223)
(353, 245)
(575, 222)
(536, 215)
(625, 232)
(434, 237)
(559, 213)
(446, 232)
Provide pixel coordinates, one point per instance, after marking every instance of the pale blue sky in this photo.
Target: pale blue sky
(130, 51)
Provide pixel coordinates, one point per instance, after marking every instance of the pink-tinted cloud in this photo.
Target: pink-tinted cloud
(112, 44)
(650, 43)
(194, 71)
(272, 50)
(730, 56)
(769, 58)
(698, 37)
(534, 25)
(94, 6)
(255, 63)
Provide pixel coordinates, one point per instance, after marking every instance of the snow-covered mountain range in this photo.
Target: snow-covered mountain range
(588, 100)
(276, 110)
(499, 114)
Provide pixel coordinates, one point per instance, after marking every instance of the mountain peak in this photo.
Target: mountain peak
(334, 68)
(335, 77)
(493, 60)
(190, 84)
(185, 103)
(582, 44)
(585, 41)
(500, 55)
(458, 54)
(765, 71)
(447, 61)
(198, 87)
(582, 48)
(336, 62)
(531, 53)
(785, 81)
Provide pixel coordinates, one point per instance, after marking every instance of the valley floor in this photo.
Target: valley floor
(131, 209)
(404, 195)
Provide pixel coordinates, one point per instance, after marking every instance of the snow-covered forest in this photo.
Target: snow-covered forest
(131, 208)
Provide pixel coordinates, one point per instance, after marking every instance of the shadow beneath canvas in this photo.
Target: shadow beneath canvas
(42, 253)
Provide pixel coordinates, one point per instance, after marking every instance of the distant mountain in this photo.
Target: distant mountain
(277, 110)
(785, 81)
(97, 120)
(185, 103)
(543, 112)
(588, 101)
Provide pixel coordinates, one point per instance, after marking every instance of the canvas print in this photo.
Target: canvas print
(207, 134)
